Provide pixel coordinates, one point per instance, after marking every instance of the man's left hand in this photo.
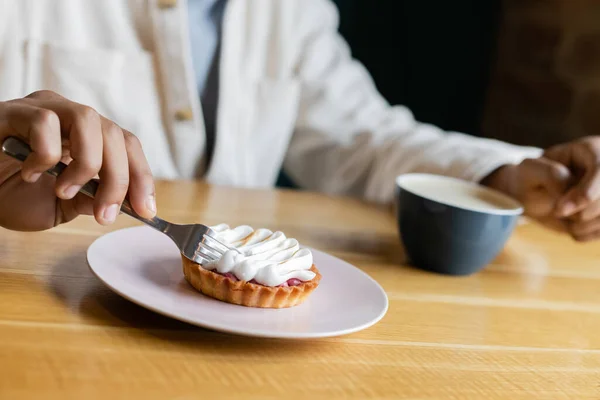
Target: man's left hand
(561, 189)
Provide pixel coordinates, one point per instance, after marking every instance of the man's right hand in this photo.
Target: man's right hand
(58, 129)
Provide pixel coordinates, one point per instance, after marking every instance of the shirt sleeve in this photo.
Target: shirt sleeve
(349, 140)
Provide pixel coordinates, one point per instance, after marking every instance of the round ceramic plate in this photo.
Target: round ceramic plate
(144, 266)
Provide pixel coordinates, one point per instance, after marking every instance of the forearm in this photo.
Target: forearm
(348, 140)
(366, 166)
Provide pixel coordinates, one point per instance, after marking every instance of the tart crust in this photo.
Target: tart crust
(245, 293)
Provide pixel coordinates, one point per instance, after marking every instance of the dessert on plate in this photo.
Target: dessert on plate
(268, 270)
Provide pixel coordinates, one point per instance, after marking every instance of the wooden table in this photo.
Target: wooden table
(528, 327)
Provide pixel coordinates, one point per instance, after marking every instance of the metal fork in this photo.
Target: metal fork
(196, 242)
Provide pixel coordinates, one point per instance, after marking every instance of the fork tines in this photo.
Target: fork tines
(210, 248)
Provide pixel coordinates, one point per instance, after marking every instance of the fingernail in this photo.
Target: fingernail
(567, 209)
(35, 176)
(71, 191)
(110, 213)
(151, 204)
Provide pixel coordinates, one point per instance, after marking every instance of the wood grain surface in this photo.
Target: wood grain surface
(524, 328)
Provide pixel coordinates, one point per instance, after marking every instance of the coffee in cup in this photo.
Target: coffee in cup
(452, 226)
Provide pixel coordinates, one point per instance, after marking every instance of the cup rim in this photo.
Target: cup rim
(516, 209)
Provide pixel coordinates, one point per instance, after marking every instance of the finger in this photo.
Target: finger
(583, 159)
(559, 153)
(586, 192)
(585, 231)
(82, 126)
(44, 95)
(557, 225)
(588, 238)
(539, 203)
(114, 174)
(589, 213)
(554, 177)
(40, 128)
(544, 182)
(141, 183)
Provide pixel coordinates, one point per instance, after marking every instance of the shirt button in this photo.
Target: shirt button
(167, 3)
(185, 114)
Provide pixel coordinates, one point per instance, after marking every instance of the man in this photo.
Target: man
(288, 94)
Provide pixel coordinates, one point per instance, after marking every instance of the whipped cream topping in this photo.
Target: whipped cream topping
(268, 258)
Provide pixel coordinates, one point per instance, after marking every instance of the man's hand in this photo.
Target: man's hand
(560, 189)
(92, 146)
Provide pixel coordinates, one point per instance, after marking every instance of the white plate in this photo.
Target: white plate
(144, 266)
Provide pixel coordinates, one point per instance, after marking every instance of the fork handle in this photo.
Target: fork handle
(19, 150)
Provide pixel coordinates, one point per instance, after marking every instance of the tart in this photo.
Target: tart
(268, 270)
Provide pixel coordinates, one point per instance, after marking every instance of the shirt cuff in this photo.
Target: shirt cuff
(509, 155)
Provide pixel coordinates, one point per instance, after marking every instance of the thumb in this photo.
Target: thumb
(585, 191)
(544, 182)
(69, 209)
(552, 176)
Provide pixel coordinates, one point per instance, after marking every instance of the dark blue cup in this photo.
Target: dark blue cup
(451, 226)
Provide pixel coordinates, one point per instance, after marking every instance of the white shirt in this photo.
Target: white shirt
(290, 94)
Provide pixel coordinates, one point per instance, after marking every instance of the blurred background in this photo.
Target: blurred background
(524, 71)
